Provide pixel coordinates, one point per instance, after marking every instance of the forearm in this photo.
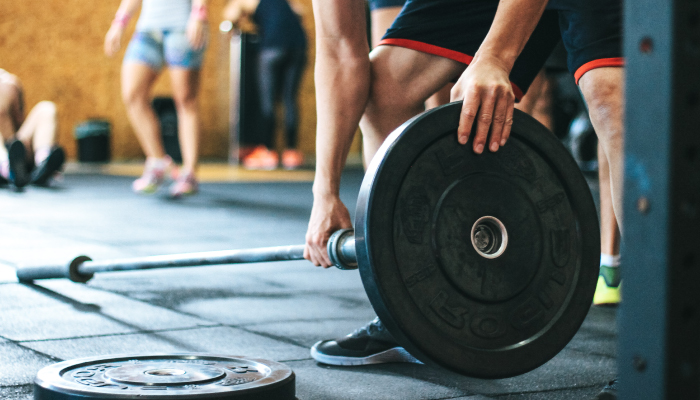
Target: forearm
(342, 90)
(512, 26)
(342, 86)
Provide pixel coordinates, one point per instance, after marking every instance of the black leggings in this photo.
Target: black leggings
(280, 69)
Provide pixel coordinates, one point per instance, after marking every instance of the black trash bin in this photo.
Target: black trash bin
(93, 140)
(167, 115)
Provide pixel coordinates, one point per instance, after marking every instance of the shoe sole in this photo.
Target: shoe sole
(396, 354)
(53, 164)
(17, 155)
(606, 295)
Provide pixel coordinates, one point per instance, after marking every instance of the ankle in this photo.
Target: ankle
(610, 260)
(41, 154)
(5, 169)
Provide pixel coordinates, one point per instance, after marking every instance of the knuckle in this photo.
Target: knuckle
(499, 118)
(469, 112)
(485, 117)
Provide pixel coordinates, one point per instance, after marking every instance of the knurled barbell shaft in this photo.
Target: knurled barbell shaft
(341, 246)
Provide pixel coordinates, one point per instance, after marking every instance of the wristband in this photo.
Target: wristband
(121, 19)
(199, 12)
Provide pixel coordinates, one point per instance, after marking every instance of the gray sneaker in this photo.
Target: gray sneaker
(609, 392)
(371, 344)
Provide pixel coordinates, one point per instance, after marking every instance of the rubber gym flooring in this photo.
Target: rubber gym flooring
(274, 311)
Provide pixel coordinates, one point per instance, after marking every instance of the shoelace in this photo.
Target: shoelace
(612, 384)
(374, 326)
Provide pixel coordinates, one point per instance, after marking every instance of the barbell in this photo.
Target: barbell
(482, 264)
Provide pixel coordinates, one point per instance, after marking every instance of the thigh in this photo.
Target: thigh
(409, 76)
(44, 111)
(146, 48)
(591, 32)
(137, 79)
(455, 29)
(178, 51)
(185, 84)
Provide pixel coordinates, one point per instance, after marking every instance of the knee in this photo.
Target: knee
(185, 101)
(386, 98)
(606, 107)
(134, 96)
(47, 109)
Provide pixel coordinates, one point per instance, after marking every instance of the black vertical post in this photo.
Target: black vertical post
(659, 319)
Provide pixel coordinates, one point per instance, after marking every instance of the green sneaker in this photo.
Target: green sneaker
(608, 290)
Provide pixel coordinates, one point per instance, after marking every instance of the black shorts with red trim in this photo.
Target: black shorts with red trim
(590, 29)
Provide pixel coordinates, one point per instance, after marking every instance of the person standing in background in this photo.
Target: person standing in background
(172, 33)
(281, 62)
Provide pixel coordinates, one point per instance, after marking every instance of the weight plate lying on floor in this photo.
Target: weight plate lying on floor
(165, 377)
(484, 264)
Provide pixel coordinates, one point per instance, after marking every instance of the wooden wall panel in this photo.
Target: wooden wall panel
(56, 49)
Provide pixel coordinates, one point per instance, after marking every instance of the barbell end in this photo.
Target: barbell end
(70, 271)
(341, 249)
(74, 273)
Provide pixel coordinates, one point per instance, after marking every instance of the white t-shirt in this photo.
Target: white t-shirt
(164, 15)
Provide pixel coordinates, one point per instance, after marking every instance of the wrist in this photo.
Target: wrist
(325, 192)
(121, 19)
(499, 59)
(199, 12)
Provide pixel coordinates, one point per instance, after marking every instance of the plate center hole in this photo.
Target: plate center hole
(489, 237)
(166, 372)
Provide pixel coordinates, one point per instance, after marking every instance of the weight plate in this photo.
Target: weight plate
(165, 377)
(484, 264)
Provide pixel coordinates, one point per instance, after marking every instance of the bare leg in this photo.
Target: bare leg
(8, 97)
(603, 90)
(38, 132)
(409, 77)
(382, 18)
(440, 97)
(185, 84)
(543, 106)
(137, 81)
(609, 232)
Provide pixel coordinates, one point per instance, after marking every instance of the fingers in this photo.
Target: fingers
(491, 110)
(470, 107)
(315, 251)
(508, 124)
(484, 120)
(498, 125)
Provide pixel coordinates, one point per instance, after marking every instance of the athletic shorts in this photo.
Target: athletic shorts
(377, 4)
(591, 31)
(158, 48)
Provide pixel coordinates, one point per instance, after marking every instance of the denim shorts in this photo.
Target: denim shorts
(156, 48)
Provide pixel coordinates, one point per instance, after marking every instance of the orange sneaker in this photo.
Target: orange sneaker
(261, 158)
(292, 159)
